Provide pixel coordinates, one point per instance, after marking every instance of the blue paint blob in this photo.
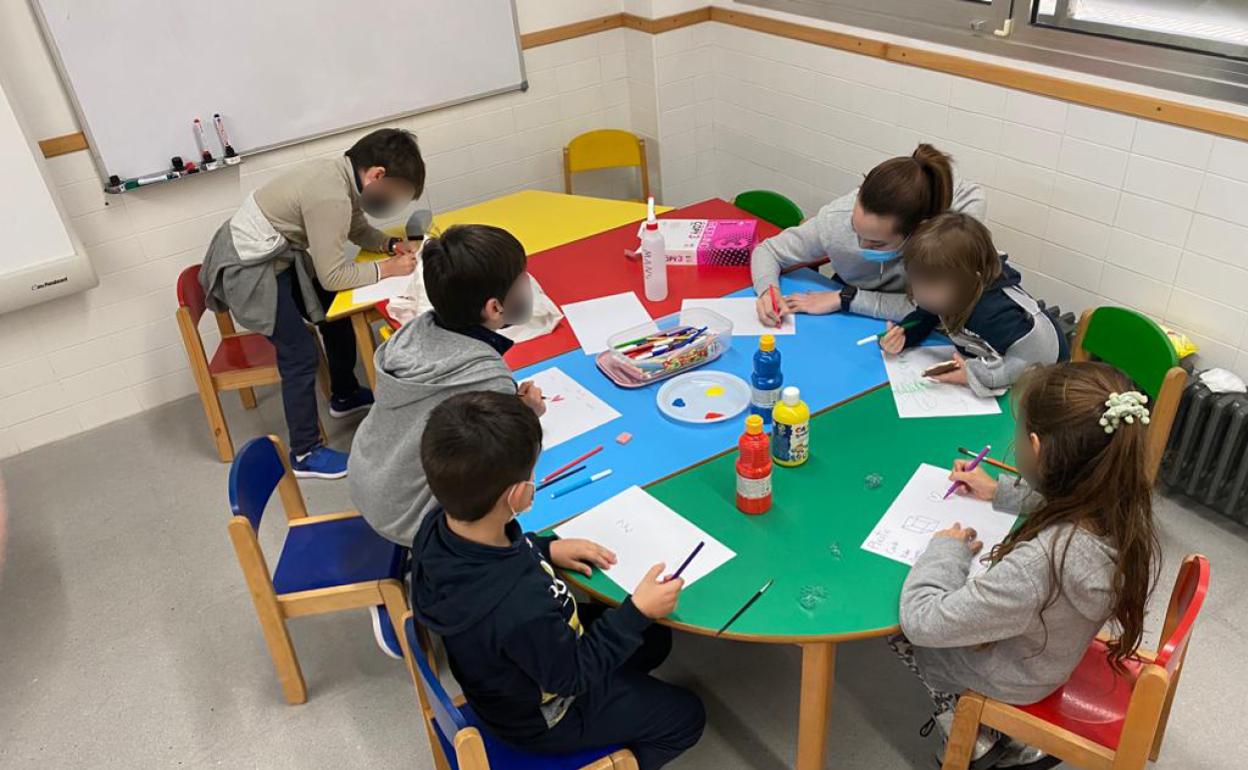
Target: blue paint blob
(680, 402)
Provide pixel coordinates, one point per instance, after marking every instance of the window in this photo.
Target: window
(1198, 47)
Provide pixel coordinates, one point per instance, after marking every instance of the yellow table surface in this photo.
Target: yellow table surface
(540, 220)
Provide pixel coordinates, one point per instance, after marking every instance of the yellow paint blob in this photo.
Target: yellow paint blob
(715, 390)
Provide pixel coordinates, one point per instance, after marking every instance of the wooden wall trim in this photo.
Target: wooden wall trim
(1103, 97)
(63, 145)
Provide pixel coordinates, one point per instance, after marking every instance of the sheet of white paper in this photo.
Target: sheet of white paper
(904, 530)
(594, 320)
(570, 408)
(740, 310)
(643, 532)
(386, 288)
(919, 396)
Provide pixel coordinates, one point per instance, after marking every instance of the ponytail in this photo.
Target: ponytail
(911, 189)
(938, 170)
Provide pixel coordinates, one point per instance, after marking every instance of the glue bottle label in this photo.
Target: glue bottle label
(790, 443)
(753, 489)
(765, 399)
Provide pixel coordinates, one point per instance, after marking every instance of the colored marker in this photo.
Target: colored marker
(231, 157)
(560, 477)
(688, 559)
(990, 461)
(577, 461)
(757, 595)
(582, 483)
(880, 336)
(972, 465)
(205, 154)
(775, 304)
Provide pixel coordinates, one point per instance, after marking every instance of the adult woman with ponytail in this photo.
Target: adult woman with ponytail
(1085, 554)
(861, 235)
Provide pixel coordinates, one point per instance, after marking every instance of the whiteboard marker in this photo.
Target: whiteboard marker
(205, 154)
(231, 157)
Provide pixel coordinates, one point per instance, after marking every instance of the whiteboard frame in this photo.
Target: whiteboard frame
(98, 160)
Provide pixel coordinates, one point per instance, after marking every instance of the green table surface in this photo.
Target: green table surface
(823, 503)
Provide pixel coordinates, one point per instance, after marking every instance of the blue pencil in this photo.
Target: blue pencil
(582, 483)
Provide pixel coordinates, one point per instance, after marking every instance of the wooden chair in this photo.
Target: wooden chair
(1140, 348)
(330, 562)
(1100, 719)
(771, 207)
(457, 739)
(606, 148)
(240, 362)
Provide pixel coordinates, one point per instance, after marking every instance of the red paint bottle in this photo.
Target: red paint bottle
(754, 468)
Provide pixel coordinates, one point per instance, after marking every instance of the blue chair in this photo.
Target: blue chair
(459, 741)
(328, 563)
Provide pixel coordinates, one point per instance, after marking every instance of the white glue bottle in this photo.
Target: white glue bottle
(653, 258)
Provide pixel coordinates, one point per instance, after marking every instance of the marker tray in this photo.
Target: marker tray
(684, 341)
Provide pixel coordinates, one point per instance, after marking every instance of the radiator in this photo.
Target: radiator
(1206, 457)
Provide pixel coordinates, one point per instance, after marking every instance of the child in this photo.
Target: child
(476, 280)
(541, 674)
(303, 219)
(1086, 554)
(960, 283)
(861, 235)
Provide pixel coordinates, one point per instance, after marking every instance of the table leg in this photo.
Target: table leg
(364, 343)
(818, 670)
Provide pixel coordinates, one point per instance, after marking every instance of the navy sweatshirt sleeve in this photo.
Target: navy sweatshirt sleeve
(543, 544)
(549, 651)
(924, 324)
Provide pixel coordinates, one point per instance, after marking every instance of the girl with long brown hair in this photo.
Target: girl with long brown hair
(1085, 554)
(963, 287)
(861, 234)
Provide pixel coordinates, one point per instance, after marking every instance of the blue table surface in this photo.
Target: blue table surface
(822, 359)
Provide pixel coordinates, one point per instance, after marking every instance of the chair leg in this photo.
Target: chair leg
(216, 423)
(1155, 751)
(961, 743)
(282, 651)
(248, 397)
(322, 364)
(395, 599)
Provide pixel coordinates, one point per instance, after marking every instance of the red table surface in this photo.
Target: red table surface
(596, 267)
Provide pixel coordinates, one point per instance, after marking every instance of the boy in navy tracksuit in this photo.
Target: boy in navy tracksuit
(966, 289)
(538, 671)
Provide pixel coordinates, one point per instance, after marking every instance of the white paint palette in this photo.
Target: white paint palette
(704, 397)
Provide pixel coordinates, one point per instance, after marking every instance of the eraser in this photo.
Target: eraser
(624, 438)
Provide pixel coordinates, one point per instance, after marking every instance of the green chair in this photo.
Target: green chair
(770, 206)
(1140, 348)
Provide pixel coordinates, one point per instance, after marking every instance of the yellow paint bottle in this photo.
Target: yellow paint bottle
(790, 430)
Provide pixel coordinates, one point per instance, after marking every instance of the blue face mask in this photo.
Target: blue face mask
(876, 255)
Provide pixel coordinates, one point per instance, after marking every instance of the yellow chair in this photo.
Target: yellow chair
(605, 148)
(330, 562)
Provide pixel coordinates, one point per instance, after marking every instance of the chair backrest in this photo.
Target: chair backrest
(257, 470)
(446, 715)
(190, 293)
(605, 148)
(1130, 341)
(1190, 589)
(770, 206)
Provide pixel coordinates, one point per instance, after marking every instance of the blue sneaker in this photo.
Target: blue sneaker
(341, 406)
(321, 463)
(383, 632)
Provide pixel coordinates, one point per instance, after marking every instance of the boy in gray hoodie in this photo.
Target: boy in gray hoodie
(476, 281)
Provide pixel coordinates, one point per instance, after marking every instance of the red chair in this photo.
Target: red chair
(1099, 719)
(240, 362)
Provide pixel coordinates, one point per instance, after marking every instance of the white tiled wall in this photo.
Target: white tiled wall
(75, 363)
(1094, 207)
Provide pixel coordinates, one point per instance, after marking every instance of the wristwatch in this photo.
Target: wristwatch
(391, 244)
(847, 297)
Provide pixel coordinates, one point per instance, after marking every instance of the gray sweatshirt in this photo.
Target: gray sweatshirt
(419, 367)
(986, 633)
(881, 286)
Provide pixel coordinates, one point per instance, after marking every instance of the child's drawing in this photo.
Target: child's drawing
(918, 396)
(920, 525)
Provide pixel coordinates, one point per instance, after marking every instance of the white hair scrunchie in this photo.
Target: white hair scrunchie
(1124, 407)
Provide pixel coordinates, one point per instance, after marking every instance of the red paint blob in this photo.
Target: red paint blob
(712, 416)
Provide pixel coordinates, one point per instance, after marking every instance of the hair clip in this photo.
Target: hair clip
(1124, 407)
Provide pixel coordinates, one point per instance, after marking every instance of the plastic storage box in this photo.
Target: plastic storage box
(666, 347)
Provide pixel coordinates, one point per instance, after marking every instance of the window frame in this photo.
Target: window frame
(982, 27)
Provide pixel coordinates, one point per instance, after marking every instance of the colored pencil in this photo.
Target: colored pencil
(990, 461)
(582, 483)
(577, 461)
(757, 595)
(872, 338)
(775, 304)
(688, 559)
(560, 477)
(972, 465)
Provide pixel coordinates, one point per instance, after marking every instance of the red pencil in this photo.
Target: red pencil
(774, 304)
(577, 461)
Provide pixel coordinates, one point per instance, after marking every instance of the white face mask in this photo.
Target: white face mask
(514, 513)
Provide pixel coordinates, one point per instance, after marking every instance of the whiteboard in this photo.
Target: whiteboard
(278, 71)
(40, 259)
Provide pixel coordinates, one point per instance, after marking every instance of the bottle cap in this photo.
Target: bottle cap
(791, 396)
(767, 343)
(651, 222)
(753, 424)
(176, 162)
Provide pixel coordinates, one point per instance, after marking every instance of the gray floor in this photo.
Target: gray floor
(127, 638)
